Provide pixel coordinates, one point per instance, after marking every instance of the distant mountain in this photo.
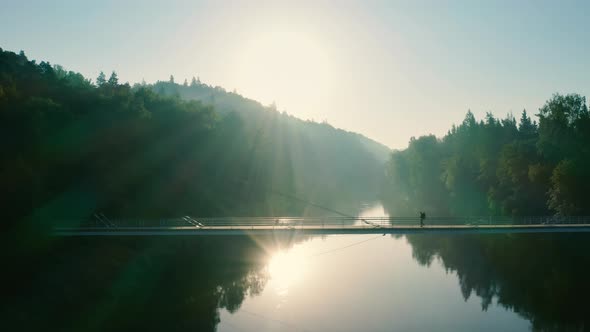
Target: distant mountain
(252, 110)
(326, 165)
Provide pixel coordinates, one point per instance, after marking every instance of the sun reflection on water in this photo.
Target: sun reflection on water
(286, 268)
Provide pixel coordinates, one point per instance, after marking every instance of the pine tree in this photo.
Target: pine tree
(113, 80)
(101, 79)
(525, 122)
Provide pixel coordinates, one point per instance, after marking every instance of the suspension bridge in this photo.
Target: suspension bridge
(100, 225)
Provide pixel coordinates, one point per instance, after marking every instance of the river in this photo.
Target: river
(493, 282)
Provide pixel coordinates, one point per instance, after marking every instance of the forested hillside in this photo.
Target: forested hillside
(258, 117)
(498, 167)
(71, 147)
(326, 165)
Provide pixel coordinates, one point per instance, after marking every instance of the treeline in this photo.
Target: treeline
(71, 147)
(498, 166)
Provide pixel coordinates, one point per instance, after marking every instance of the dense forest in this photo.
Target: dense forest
(71, 147)
(505, 167)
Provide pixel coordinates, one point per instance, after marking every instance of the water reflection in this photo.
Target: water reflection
(287, 267)
(332, 283)
(124, 284)
(542, 277)
(367, 282)
(505, 282)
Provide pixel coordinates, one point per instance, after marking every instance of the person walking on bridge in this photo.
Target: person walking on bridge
(422, 217)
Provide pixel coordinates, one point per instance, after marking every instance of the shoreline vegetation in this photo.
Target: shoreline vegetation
(72, 147)
(498, 167)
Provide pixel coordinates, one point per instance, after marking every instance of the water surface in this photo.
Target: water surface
(451, 282)
(362, 282)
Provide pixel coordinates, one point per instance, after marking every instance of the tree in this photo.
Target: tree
(185, 83)
(526, 127)
(561, 126)
(568, 194)
(113, 80)
(171, 79)
(469, 120)
(101, 79)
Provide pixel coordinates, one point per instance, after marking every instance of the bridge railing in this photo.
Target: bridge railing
(316, 222)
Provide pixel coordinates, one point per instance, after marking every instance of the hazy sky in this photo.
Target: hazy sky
(389, 70)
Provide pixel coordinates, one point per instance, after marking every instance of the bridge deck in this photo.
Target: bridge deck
(317, 229)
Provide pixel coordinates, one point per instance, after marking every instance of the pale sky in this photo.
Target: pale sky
(389, 70)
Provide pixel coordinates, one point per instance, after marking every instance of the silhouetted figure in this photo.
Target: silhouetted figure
(422, 217)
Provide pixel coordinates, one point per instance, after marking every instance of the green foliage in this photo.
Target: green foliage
(113, 80)
(563, 124)
(133, 152)
(569, 190)
(496, 167)
(101, 79)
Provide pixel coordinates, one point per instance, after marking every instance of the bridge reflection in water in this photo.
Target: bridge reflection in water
(187, 225)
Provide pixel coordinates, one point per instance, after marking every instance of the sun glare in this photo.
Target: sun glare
(286, 268)
(285, 66)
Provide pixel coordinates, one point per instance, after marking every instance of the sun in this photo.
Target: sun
(288, 66)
